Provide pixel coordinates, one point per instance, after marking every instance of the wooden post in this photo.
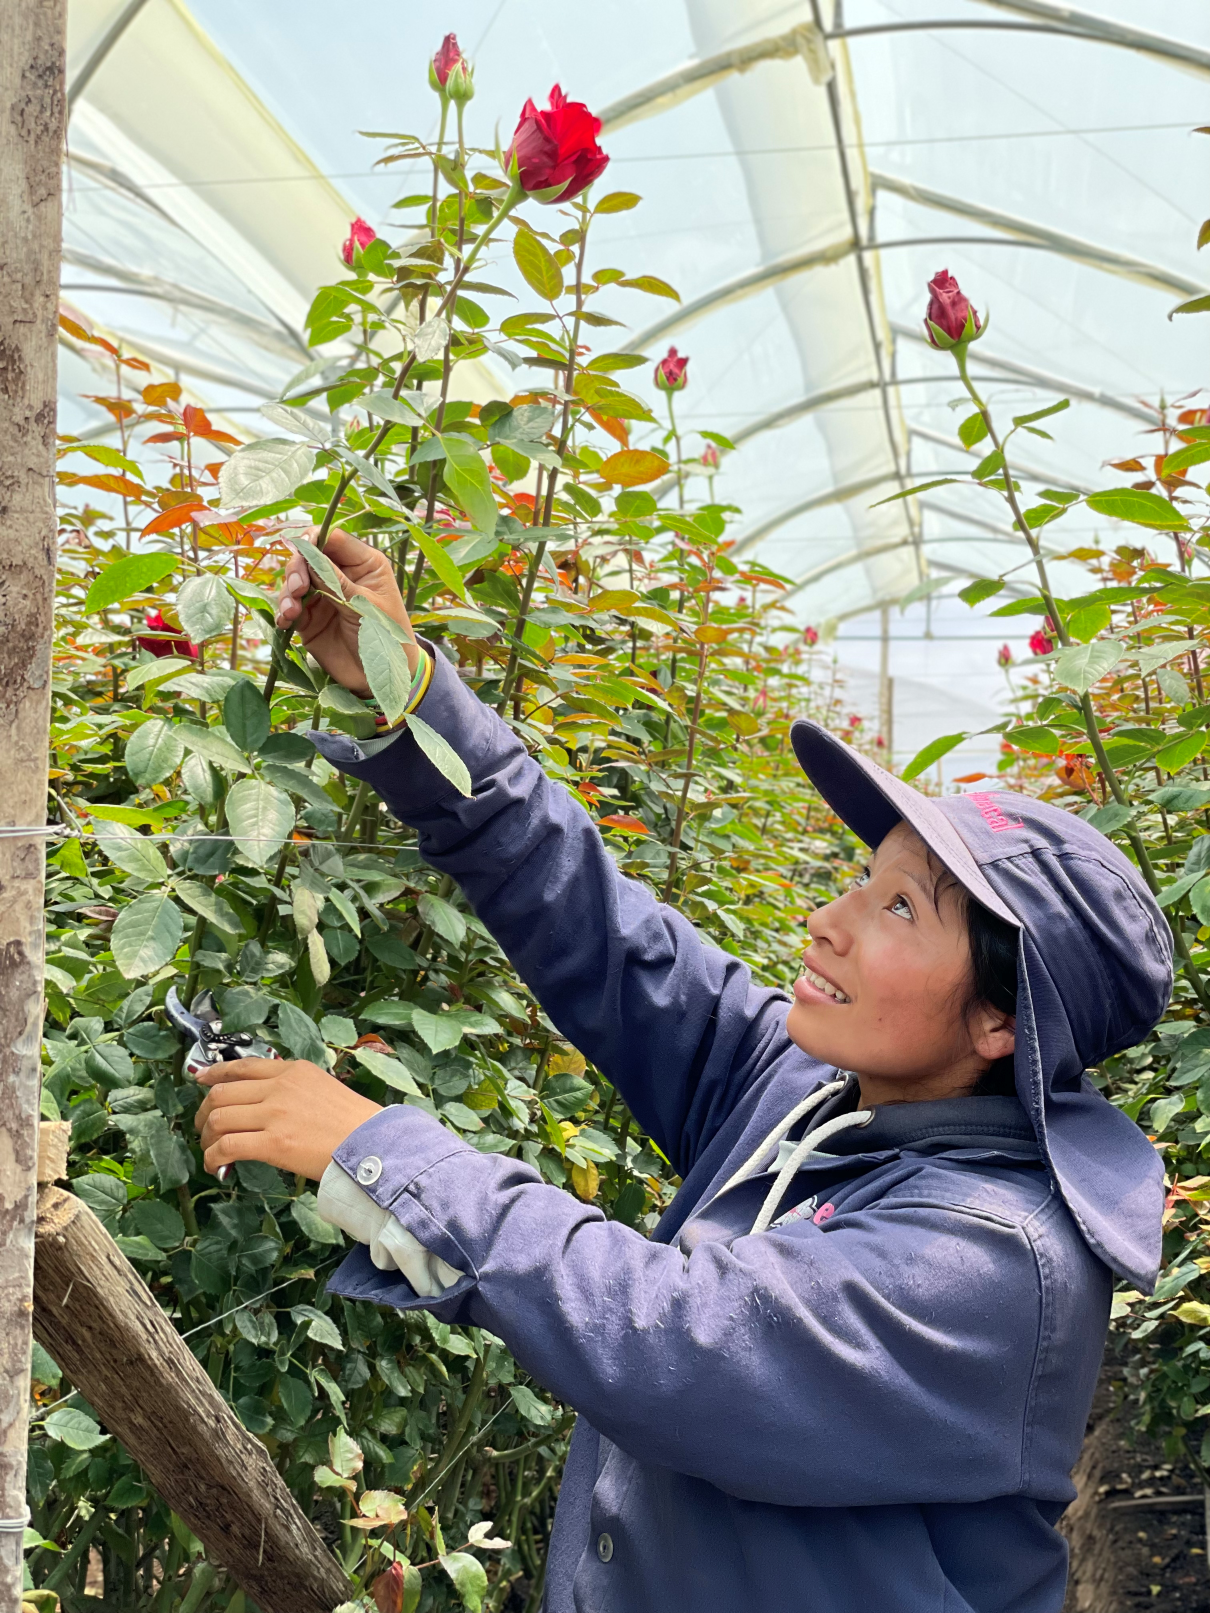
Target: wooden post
(94, 1313)
(32, 103)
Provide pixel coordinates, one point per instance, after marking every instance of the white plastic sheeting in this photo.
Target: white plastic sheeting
(800, 206)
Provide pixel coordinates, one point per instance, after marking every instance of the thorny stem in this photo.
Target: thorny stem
(283, 635)
(511, 671)
(682, 804)
(680, 458)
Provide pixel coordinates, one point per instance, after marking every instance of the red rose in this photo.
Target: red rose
(360, 236)
(450, 72)
(1039, 643)
(165, 645)
(948, 308)
(810, 637)
(670, 372)
(710, 457)
(555, 154)
(1004, 656)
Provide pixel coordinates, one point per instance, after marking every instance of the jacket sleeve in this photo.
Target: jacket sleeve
(885, 1360)
(678, 1026)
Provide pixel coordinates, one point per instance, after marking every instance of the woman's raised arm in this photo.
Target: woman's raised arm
(675, 1024)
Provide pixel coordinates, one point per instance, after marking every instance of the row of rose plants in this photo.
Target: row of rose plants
(1111, 717)
(584, 588)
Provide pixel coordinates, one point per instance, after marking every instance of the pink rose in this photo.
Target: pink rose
(948, 308)
(670, 372)
(810, 637)
(1040, 643)
(360, 236)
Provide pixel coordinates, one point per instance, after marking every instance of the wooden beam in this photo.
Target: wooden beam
(32, 103)
(101, 1324)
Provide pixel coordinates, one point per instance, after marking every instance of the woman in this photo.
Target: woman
(851, 1369)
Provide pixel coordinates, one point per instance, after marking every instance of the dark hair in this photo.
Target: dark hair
(993, 976)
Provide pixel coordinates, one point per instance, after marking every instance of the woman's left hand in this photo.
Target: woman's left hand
(285, 1112)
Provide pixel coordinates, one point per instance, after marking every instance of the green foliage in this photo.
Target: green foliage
(214, 849)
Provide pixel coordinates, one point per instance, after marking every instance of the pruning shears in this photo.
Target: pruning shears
(211, 1044)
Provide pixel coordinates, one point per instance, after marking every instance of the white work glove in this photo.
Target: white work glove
(392, 1247)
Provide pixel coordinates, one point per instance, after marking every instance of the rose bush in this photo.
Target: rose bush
(206, 846)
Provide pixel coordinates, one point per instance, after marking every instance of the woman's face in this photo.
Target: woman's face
(885, 981)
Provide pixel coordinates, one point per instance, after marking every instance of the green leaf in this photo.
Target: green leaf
(367, 469)
(438, 1031)
(405, 410)
(470, 484)
(313, 1225)
(1082, 665)
(988, 466)
(441, 753)
(1108, 819)
(1199, 901)
(1173, 893)
(972, 430)
(386, 667)
(440, 916)
(75, 1429)
(211, 906)
(1039, 515)
(104, 1195)
(1139, 507)
(652, 285)
(467, 1572)
(265, 471)
(1156, 655)
(618, 201)
(296, 781)
(201, 781)
(388, 1070)
(1180, 752)
(246, 715)
(1022, 607)
(440, 561)
(1042, 414)
(300, 1034)
(1163, 1111)
(1084, 624)
(214, 746)
(154, 751)
(146, 935)
(204, 607)
(976, 592)
(259, 817)
(126, 577)
(931, 753)
(533, 1409)
(130, 851)
(538, 268)
(1182, 797)
(925, 487)
(1195, 453)
(1198, 305)
(157, 670)
(321, 567)
(1034, 737)
(321, 1328)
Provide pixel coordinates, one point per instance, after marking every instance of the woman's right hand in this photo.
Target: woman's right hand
(329, 630)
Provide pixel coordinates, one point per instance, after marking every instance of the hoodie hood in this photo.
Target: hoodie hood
(1094, 974)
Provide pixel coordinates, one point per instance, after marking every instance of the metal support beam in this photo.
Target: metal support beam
(817, 501)
(106, 43)
(1068, 246)
(1044, 378)
(670, 90)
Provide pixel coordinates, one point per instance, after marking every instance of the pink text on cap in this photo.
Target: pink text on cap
(991, 814)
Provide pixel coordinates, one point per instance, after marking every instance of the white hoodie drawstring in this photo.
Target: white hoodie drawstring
(752, 1163)
(808, 1145)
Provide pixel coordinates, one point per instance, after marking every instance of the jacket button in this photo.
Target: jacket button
(369, 1170)
(604, 1547)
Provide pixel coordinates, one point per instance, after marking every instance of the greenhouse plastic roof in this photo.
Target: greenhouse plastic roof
(799, 191)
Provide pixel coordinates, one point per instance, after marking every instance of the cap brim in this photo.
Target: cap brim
(872, 801)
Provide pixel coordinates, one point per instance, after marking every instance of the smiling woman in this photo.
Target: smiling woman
(858, 1353)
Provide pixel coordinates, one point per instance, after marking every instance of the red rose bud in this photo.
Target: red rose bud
(950, 317)
(670, 372)
(810, 637)
(450, 73)
(710, 457)
(387, 1589)
(166, 644)
(360, 236)
(1004, 656)
(1039, 643)
(554, 154)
